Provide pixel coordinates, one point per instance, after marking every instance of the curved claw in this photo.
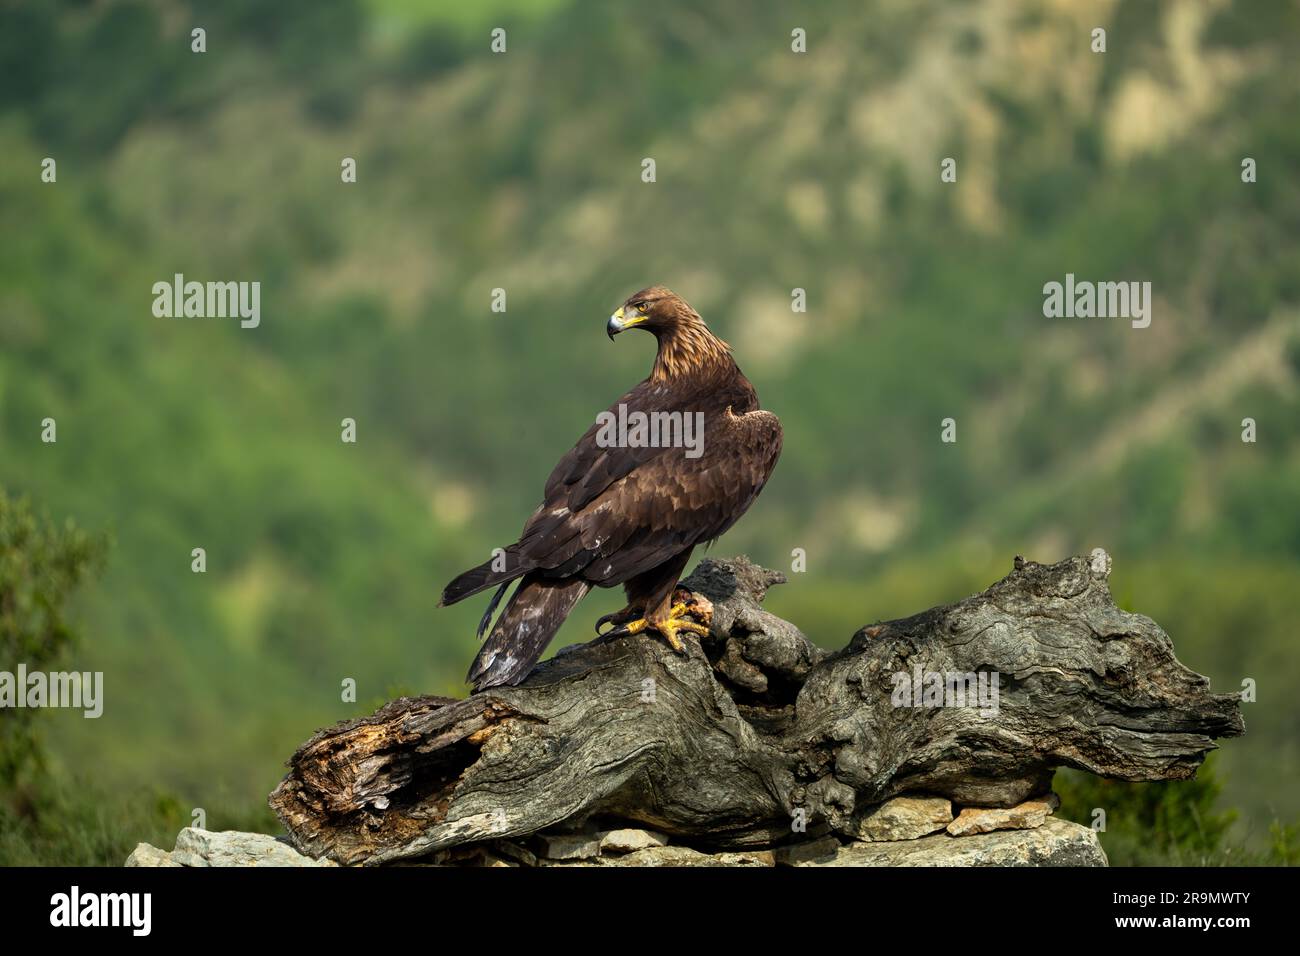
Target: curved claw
(616, 618)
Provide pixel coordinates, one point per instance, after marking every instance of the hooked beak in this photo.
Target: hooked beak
(619, 322)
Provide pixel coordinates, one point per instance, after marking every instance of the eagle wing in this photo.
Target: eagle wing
(612, 513)
(589, 468)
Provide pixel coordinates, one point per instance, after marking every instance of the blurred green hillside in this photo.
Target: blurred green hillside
(522, 171)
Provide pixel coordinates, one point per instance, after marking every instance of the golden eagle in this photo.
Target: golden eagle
(625, 506)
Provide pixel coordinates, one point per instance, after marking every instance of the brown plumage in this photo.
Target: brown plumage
(630, 515)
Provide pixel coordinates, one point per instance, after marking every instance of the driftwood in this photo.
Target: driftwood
(757, 727)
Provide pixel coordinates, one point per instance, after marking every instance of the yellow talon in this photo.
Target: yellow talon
(670, 627)
(677, 620)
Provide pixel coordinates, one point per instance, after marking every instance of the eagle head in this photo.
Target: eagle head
(657, 310)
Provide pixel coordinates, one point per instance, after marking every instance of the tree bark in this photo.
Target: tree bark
(756, 727)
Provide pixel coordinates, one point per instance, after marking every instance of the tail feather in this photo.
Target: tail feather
(532, 616)
(480, 579)
(486, 619)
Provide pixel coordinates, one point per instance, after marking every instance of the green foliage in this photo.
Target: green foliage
(1175, 823)
(47, 817)
(41, 565)
(77, 825)
(72, 821)
(1284, 843)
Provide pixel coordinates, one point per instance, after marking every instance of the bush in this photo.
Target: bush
(40, 566)
(1174, 823)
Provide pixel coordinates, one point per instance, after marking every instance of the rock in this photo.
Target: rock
(747, 858)
(1024, 816)
(145, 854)
(1055, 843)
(569, 846)
(627, 841)
(513, 851)
(685, 856)
(473, 855)
(903, 818)
(195, 847)
(798, 854)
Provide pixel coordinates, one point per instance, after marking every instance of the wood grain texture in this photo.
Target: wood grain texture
(724, 747)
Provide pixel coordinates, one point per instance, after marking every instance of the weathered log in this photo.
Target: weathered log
(757, 727)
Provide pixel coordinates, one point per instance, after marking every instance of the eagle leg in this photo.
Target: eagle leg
(680, 616)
